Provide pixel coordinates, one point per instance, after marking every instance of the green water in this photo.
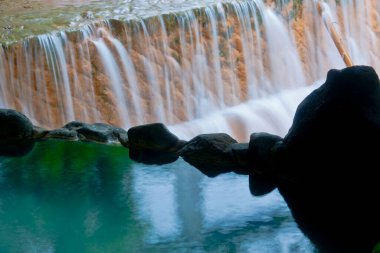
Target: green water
(81, 197)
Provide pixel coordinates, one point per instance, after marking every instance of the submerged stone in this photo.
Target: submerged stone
(16, 133)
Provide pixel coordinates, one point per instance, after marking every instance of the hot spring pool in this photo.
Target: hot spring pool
(82, 197)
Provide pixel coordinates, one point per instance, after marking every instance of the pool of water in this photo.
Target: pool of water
(19, 19)
(82, 197)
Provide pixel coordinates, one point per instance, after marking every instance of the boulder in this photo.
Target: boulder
(152, 144)
(240, 154)
(97, 132)
(210, 153)
(74, 125)
(122, 136)
(16, 133)
(39, 132)
(327, 165)
(262, 177)
(154, 137)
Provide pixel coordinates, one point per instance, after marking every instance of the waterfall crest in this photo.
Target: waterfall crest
(181, 66)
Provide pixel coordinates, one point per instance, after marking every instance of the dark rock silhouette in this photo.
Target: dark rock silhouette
(153, 144)
(327, 165)
(210, 153)
(16, 133)
(240, 154)
(154, 136)
(260, 160)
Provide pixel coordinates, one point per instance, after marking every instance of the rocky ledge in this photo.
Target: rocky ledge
(326, 167)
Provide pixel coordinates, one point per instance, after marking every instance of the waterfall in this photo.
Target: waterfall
(181, 66)
(235, 66)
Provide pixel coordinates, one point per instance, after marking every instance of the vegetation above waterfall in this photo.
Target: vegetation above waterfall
(21, 19)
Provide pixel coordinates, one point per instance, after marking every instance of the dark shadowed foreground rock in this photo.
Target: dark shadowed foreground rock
(210, 153)
(327, 167)
(16, 133)
(153, 144)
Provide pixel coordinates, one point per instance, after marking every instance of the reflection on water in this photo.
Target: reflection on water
(80, 197)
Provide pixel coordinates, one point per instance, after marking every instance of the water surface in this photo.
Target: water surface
(81, 197)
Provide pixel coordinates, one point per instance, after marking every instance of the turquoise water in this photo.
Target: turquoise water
(82, 197)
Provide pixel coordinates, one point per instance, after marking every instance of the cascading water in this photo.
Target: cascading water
(170, 68)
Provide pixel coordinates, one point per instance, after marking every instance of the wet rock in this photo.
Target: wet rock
(122, 136)
(16, 133)
(62, 134)
(240, 154)
(39, 132)
(74, 125)
(210, 153)
(98, 132)
(152, 144)
(327, 165)
(156, 137)
(262, 147)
